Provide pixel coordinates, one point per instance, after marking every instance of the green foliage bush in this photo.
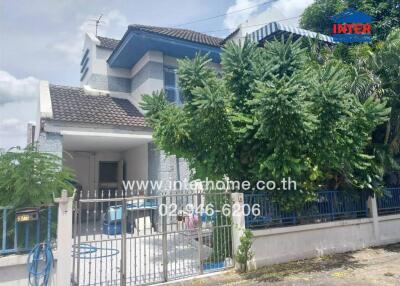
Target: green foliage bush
(31, 178)
(244, 253)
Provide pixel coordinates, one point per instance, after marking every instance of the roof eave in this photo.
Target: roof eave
(132, 31)
(54, 125)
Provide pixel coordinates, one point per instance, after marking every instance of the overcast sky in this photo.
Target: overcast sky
(42, 40)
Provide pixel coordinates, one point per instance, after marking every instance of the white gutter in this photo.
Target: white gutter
(104, 134)
(45, 108)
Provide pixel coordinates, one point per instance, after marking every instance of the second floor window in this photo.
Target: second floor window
(171, 85)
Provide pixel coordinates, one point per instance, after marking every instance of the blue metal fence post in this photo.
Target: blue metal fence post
(26, 235)
(49, 224)
(15, 235)
(332, 206)
(38, 229)
(4, 242)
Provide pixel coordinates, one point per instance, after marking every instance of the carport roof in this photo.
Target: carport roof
(73, 104)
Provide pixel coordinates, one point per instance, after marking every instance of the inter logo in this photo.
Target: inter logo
(351, 26)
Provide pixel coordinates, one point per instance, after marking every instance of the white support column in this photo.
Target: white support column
(64, 239)
(373, 213)
(238, 223)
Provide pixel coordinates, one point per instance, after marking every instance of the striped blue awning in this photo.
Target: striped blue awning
(273, 29)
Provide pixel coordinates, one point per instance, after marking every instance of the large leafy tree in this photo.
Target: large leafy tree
(386, 14)
(31, 178)
(272, 113)
(374, 67)
(317, 16)
(381, 65)
(374, 73)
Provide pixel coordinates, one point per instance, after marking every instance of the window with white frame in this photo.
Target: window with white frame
(171, 85)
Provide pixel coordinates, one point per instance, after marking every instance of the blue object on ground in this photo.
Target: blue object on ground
(40, 263)
(148, 203)
(114, 213)
(213, 265)
(115, 228)
(112, 228)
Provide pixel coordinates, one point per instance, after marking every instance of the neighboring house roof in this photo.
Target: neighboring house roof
(275, 30)
(72, 104)
(182, 34)
(108, 43)
(230, 36)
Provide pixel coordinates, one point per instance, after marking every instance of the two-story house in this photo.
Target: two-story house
(98, 128)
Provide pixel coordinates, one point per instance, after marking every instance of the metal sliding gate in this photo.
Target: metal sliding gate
(131, 240)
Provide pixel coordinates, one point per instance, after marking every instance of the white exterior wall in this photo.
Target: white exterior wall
(100, 76)
(98, 60)
(86, 166)
(147, 76)
(100, 65)
(89, 44)
(136, 163)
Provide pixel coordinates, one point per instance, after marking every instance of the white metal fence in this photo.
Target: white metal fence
(120, 240)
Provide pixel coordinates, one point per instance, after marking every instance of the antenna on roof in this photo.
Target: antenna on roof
(97, 22)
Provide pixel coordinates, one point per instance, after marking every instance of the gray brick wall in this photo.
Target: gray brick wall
(165, 169)
(50, 143)
(111, 83)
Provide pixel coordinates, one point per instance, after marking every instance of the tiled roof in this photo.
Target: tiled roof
(184, 34)
(72, 104)
(108, 43)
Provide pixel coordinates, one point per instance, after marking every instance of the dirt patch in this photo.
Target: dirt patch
(378, 266)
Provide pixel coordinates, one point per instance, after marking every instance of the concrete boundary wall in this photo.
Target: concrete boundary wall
(305, 241)
(284, 244)
(280, 245)
(14, 271)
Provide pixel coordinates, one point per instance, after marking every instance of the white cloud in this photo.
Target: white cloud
(113, 23)
(13, 132)
(276, 11)
(11, 125)
(232, 20)
(291, 8)
(13, 89)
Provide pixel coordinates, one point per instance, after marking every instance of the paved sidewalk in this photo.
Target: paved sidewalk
(371, 266)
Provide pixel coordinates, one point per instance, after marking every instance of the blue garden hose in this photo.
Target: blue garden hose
(40, 263)
(87, 251)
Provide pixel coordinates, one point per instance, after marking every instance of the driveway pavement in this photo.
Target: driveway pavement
(371, 266)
